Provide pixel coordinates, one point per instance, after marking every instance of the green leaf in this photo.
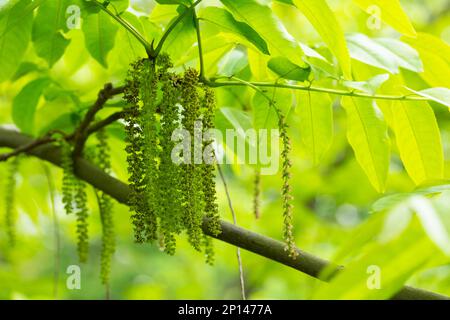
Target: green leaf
(15, 33)
(418, 140)
(239, 122)
(49, 22)
(25, 104)
(387, 54)
(288, 70)
(264, 114)
(324, 21)
(391, 13)
(439, 95)
(24, 69)
(99, 33)
(370, 86)
(182, 38)
(264, 22)
(232, 63)
(316, 123)
(226, 22)
(119, 6)
(367, 134)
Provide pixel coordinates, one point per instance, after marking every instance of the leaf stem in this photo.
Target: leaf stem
(239, 82)
(148, 47)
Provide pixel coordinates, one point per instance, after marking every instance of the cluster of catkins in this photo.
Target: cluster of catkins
(168, 198)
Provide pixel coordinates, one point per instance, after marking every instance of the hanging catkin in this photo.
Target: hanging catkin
(211, 209)
(68, 180)
(286, 188)
(191, 175)
(169, 192)
(135, 153)
(105, 205)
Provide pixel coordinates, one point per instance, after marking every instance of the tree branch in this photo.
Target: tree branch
(248, 240)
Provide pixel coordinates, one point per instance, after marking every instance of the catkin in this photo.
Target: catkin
(82, 214)
(169, 192)
(286, 187)
(191, 176)
(135, 150)
(10, 213)
(105, 205)
(68, 180)
(211, 209)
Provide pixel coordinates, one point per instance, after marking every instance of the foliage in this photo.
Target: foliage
(358, 89)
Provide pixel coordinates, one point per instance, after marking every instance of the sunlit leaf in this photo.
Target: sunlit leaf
(99, 33)
(387, 54)
(226, 22)
(324, 21)
(288, 70)
(367, 134)
(418, 140)
(391, 12)
(316, 123)
(263, 21)
(440, 95)
(48, 25)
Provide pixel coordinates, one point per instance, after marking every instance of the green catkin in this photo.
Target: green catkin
(191, 175)
(105, 207)
(68, 179)
(286, 188)
(209, 249)
(82, 214)
(211, 209)
(169, 193)
(10, 213)
(135, 152)
(147, 121)
(257, 194)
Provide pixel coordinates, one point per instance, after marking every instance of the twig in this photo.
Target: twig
(28, 147)
(238, 250)
(48, 138)
(81, 133)
(238, 82)
(105, 122)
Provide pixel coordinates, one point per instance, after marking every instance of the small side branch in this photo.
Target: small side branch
(81, 133)
(238, 82)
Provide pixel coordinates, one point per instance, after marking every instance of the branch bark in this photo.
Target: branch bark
(245, 239)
